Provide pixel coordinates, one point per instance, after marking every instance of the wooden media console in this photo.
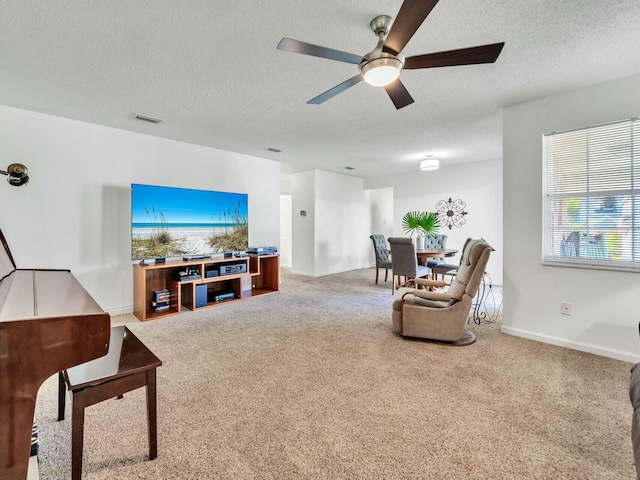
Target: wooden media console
(159, 292)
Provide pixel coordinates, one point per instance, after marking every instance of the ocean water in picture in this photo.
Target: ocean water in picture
(173, 222)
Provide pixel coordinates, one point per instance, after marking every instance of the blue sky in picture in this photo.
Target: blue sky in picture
(184, 205)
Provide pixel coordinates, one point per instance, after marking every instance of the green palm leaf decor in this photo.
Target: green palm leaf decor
(426, 224)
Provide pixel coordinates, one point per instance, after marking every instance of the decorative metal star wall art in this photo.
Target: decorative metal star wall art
(451, 213)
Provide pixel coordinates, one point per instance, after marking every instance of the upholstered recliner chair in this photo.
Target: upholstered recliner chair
(634, 396)
(442, 316)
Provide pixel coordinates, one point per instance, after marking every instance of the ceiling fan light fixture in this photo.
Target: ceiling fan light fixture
(381, 67)
(380, 72)
(430, 164)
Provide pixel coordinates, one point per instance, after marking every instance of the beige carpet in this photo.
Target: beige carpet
(311, 383)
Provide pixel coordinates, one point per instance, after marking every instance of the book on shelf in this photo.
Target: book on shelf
(161, 300)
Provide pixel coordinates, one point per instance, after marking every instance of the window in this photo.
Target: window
(592, 197)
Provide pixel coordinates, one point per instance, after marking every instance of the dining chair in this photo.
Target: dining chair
(438, 241)
(443, 268)
(382, 255)
(405, 261)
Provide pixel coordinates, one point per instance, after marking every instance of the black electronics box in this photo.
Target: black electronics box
(188, 273)
(201, 296)
(233, 268)
(211, 271)
(266, 250)
(220, 296)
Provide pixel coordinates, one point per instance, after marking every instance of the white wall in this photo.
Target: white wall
(381, 205)
(479, 185)
(285, 230)
(303, 249)
(75, 211)
(605, 303)
(343, 224)
(333, 237)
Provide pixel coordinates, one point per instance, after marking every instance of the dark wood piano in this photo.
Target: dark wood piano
(48, 323)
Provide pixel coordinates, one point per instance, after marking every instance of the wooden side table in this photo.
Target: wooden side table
(128, 365)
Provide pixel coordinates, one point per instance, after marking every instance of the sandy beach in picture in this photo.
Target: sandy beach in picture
(190, 240)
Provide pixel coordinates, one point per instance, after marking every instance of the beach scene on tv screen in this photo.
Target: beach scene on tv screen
(177, 222)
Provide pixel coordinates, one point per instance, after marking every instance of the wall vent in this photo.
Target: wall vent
(146, 118)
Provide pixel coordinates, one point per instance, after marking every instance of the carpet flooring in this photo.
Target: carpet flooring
(310, 383)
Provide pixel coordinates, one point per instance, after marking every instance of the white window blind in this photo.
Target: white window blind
(592, 196)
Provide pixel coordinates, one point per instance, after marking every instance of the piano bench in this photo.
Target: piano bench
(127, 366)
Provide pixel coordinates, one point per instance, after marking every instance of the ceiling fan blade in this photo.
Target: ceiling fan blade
(332, 92)
(399, 94)
(411, 15)
(296, 46)
(463, 56)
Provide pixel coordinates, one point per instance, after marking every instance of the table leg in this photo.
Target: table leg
(62, 396)
(152, 415)
(77, 436)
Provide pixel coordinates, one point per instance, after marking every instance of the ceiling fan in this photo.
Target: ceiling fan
(381, 67)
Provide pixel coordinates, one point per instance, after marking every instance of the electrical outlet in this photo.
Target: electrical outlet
(565, 308)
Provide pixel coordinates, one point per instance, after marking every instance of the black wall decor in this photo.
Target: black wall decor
(451, 213)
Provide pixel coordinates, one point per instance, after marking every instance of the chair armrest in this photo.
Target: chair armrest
(426, 282)
(427, 295)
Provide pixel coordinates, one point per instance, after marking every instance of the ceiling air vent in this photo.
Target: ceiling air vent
(349, 168)
(274, 150)
(146, 118)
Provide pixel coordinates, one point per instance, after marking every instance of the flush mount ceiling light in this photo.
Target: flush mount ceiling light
(430, 164)
(18, 174)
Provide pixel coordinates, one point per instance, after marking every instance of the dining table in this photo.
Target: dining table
(424, 254)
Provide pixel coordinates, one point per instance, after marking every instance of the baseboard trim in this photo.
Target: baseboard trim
(120, 310)
(324, 274)
(563, 342)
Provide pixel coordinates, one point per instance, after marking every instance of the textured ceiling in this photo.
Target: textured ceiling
(211, 71)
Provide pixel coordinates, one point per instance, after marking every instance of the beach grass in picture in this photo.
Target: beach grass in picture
(172, 222)
(235, 235)
(159, 243)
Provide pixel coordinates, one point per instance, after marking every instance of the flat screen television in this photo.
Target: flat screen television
(182, 222)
